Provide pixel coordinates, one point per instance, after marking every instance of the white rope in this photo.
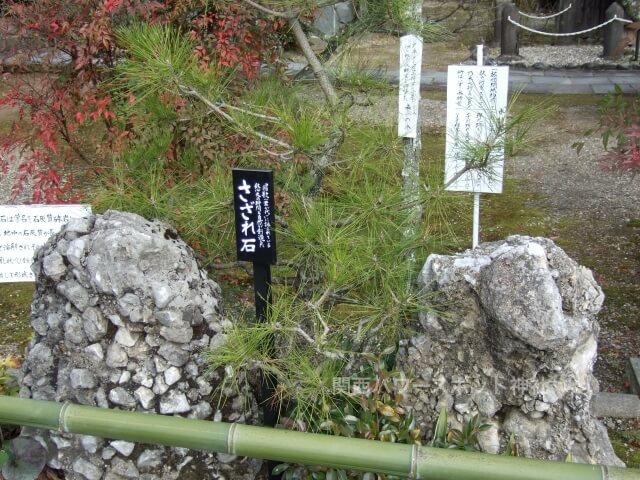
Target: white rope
(544, 17)
(568, 34)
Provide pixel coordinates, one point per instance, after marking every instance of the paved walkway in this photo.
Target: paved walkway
(573, 81)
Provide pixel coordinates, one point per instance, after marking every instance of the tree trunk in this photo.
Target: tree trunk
(318, 70)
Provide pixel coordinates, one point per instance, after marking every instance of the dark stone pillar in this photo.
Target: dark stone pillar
(497, 23)
(612, 44)
(509, 34)
(569, 21)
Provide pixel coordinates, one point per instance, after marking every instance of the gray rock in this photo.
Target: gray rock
(124, 468)
(160, 364)
(162, 294)
(90, 443)
(144, 378)
(170, 318)
(108, 453)
(87, 469)
(159, 386)
(125, 338)
(177, 335)
(172, 375)
(123, 448)
(124, 377)
(101, 398)
(120, 396)
(78, 225)
(94, 324)
(516, 343)
(53, 266)
(94, 352)
(204, 387)
(130, 307)
(174, 402)
(201, 411)
(82, 378)
(40, 360)
(617, 405)
(327, 22)
(73, 330)
(113, 325)
(75, 252)
(633, 374)
(75, 293)
(174, 354)
(145, 396)
(116, 356)
(345, 12)
(150, 458)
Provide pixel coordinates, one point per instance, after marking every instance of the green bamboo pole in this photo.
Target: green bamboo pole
(295, 447)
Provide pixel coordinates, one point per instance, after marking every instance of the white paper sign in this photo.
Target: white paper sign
(409, 96)
(476, 109)
(24, 229)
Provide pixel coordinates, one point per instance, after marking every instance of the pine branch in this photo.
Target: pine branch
(218, 109)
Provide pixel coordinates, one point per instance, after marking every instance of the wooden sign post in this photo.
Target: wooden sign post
(256, 243)
(409, 119)
(255, 232)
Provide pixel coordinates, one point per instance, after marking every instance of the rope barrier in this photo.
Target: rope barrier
(545, 17)
(568, 34)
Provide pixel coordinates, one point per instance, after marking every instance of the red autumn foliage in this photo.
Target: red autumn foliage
(67, 103)
(625, 157)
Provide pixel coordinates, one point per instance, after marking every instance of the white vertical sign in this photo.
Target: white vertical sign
(476, 106)
(24, 229)
(409, 97)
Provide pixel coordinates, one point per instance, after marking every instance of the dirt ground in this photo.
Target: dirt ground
(594, 216)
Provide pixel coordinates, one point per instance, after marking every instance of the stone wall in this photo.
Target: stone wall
(514, 340)
(122, 314)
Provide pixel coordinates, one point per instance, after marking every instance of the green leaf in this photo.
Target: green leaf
(30, 458)
(4, 458)
(578, 146)
(440, 432)
(278, 469)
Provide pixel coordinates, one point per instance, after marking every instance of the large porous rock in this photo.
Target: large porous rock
(513, 338)
(122, 313)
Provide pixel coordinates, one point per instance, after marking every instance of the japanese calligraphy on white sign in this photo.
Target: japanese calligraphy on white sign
(24, 229)
(409, 95)
(476, 106)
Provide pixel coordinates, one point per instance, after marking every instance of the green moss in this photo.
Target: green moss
(626, 444)
(15, 304)
(514, 212)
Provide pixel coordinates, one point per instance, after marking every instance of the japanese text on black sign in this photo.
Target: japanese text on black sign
(254, 213)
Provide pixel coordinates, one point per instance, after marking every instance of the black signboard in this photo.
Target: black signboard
(254, 211)
(256, 242)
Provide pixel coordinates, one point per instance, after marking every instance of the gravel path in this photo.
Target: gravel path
(567, 56)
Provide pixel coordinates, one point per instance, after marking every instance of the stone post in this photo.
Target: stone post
(567, 22)
(497, 23)
(612, 44)
(509, 33)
